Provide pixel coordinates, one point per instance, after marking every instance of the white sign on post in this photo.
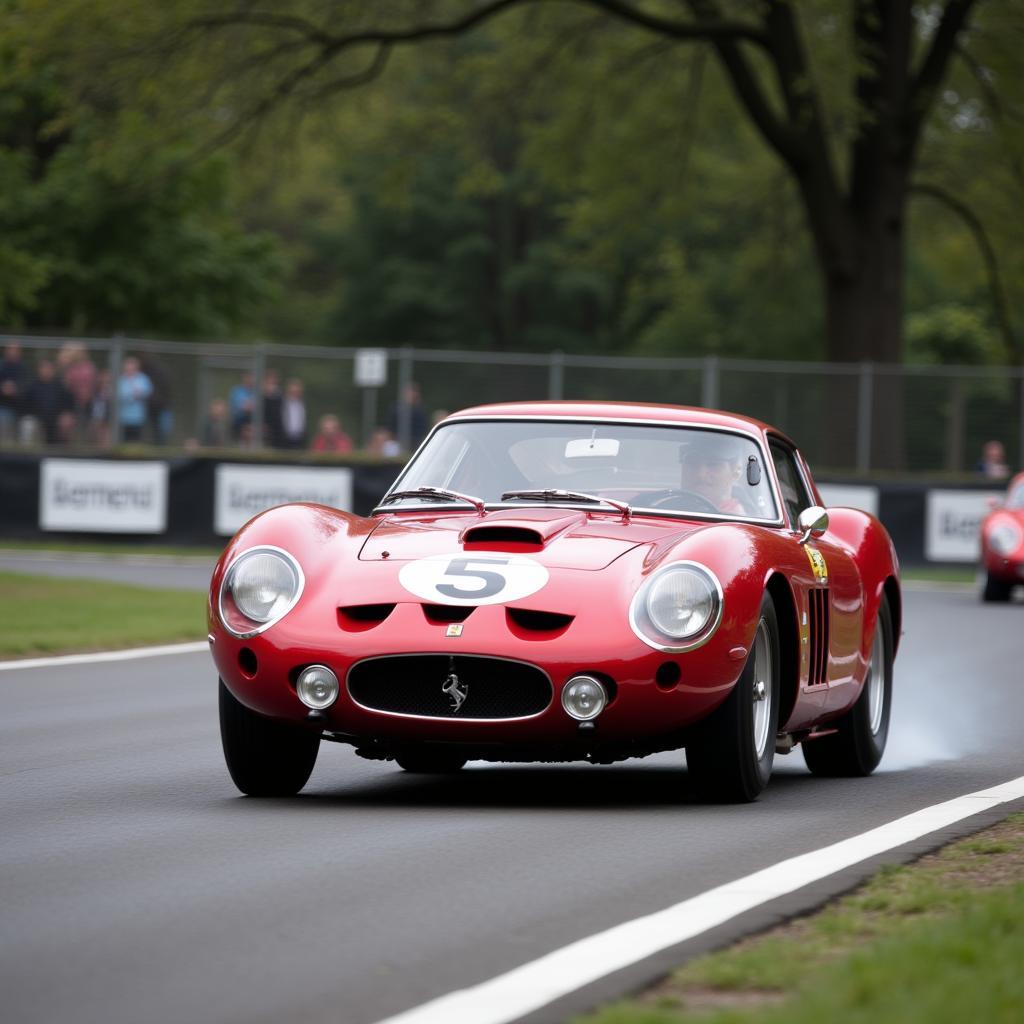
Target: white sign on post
(101, 496)
(953, 524)
(371, 367)
(850, 496)
(240, 491)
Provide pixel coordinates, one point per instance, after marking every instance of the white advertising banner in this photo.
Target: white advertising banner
(100, 496)
(242, 491)
(952, 524)
(850, 496)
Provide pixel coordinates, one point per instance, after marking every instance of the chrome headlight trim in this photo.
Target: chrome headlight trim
(260, 549)
(638, 616)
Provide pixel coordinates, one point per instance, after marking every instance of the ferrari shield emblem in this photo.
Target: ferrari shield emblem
(455, 629)
(818, 565)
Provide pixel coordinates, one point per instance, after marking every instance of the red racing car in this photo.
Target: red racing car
(1002, 545)
(559, 581)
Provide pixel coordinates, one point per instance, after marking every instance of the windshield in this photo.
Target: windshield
(660, 468)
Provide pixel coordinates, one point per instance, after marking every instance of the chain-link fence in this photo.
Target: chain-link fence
(865, 418)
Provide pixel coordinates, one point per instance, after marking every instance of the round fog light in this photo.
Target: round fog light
(317, 687)
(584, 698)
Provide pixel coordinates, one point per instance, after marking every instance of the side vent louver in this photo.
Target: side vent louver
(818, 616)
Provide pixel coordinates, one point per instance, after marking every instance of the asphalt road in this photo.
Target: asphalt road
(137, 885)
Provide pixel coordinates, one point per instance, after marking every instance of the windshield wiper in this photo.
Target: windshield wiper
(554, 494)
(428, 493)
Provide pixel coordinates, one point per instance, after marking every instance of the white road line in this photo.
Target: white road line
(527, 988)
(100, 656)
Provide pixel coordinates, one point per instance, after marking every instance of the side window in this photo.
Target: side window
(791, 483)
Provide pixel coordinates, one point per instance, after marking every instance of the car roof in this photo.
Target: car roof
(682, 414)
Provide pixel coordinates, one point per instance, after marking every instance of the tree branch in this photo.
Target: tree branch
(929, 76)
(995, 284)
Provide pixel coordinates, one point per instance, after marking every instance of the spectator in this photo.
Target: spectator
(47, 400)
(993, 461)
(79, 375)
(330, 437)
(272, 399)
(293, 416)
(382, 444)
(240, 401)
(216, 429)
(408, 418)
(133, 391)
(159, 413)
(13, 380)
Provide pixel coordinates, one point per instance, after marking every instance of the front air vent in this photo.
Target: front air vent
(502, 535)
(357, 617)
(439, 614)
(538, 622)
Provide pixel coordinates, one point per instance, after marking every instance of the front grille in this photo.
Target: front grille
(413, 685)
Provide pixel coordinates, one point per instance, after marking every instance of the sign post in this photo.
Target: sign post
(371, 373)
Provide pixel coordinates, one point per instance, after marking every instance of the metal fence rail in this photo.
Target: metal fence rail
(847, 417)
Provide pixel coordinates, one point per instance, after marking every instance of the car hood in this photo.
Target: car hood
(556, 537)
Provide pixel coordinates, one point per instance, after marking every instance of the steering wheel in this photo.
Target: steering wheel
(683, 501)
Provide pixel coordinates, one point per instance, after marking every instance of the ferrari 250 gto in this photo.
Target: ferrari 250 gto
(557, 581)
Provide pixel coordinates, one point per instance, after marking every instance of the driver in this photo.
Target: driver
(711, 464)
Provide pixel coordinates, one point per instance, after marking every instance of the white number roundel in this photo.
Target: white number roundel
(469, 578)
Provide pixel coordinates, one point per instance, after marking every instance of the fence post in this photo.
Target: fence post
(1020, 449)
(865, 408)
(556, 375)
(259, 368)
(709, 383)
(405, 362)
(116, 359)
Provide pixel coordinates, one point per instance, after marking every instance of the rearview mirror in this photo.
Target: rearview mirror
(812, 523)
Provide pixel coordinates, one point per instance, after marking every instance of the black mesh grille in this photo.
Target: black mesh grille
(413, 685)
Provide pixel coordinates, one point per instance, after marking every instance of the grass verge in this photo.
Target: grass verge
(936, 942)
(110, 548)
(41, 615)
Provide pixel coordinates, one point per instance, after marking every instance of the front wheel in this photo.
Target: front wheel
(995, 589)
(731, 757)
(264, 757)
(857, 745)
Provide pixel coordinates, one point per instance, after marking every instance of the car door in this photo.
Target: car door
(829, 594)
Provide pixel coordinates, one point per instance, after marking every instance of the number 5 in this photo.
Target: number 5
(493, 582)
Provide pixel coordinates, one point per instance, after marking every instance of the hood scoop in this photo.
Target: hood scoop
(495, 534)
(513, 527)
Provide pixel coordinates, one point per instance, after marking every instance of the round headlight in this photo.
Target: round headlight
(258, 589)
(679, 607)
(317, 687)
(1004, 538)
(584, 698)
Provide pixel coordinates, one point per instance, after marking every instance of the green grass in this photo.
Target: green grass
(39, 615)
(939, 942)
(940, 573)
(110, 547)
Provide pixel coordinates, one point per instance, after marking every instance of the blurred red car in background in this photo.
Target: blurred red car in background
(1002, 545)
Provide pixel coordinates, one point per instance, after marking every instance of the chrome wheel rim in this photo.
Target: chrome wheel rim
(762, 688)
(876, 683)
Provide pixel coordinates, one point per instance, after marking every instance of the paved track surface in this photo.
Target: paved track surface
(138, 886)
(170, 571)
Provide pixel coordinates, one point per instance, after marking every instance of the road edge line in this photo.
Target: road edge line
(531, 986)
(96, 657)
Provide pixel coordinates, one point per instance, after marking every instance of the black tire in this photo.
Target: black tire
(996, 590)
(431, 762)
(264, 757)
(855, 749)
(722, 759)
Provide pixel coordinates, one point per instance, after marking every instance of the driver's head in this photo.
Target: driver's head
(711, 465)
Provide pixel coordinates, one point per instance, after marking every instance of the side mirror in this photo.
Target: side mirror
(812, 522)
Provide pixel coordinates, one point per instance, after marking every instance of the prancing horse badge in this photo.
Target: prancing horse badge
(457, 690)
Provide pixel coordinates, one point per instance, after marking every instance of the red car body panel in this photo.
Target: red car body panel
(596, 560)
